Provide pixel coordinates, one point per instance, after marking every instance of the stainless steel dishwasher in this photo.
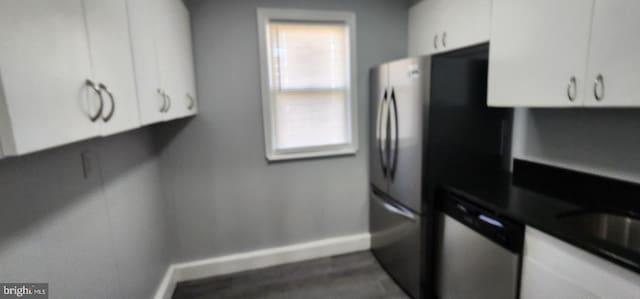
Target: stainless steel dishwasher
(478, 253)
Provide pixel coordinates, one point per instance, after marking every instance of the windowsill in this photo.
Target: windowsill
(275, 157)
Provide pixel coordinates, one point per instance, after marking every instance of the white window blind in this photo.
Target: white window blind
(309, 85)
(309, 73)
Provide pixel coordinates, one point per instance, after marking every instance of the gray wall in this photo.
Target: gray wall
(100, 237)
(601, 141)
(225, 197)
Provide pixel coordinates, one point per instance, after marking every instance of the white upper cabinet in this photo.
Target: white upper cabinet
(444, 25)
(168, 55)
(143, 20)
(66, 73)
(565, 53)
(417, 29)
(44, 63)
(112, 64)
(538, 52)
(186, 103)
(176, 59)
(162, 47)
(468, 22)
(614, 65)
(422, 28)
(76, 69)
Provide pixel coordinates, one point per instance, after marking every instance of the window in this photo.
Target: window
(307, 68)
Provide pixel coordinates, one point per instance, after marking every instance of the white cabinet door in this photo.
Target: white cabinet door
(426, 25)
(430, 26)
(467, 23)
(168, 50)
(162, 46)
(438, 26)
(540, 282)
(422, 28)
(555, 269)
(538, 52)
(143, 19)
(185, 101)
(614, 55)
(112, 63)
(44, 62)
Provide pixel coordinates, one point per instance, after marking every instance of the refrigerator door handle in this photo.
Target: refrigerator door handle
(382, 139)
(397, 210)
(393, 156)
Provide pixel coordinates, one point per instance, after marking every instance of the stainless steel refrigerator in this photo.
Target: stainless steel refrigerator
(429, 124)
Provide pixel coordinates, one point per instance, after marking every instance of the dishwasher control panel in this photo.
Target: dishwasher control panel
(501, 230)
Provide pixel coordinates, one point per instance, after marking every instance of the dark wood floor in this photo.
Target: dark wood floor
(352, 276)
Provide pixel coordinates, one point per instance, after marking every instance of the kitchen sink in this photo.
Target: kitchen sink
(623, 230)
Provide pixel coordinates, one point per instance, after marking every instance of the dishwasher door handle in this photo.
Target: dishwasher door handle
(491, 221)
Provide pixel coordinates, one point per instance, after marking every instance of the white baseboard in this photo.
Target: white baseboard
(259, 259)
(167, 285)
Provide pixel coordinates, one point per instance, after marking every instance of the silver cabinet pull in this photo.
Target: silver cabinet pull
(572, 88)
(113, 102)
(598, 88)
(444, 40)
(192, 102)
(92, 85)
(435, 42)
(164, 100)
(168, 102)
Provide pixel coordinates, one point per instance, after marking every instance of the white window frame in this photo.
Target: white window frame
(266, 15)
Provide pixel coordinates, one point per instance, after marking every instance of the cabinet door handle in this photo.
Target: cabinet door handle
(168, 102)
(598, 88)
(164, 100)
(113, 102)
(192, 102)
(92, 85)
(444, 40)
(435, 42)
(572, 88)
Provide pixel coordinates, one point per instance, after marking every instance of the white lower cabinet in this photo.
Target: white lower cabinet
(553, 269)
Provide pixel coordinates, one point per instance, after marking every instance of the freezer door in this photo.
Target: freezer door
(409, 82)
(378, 128)
(396, 235)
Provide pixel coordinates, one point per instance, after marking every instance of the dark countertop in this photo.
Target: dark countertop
(513, 197)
